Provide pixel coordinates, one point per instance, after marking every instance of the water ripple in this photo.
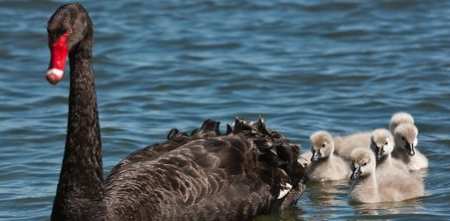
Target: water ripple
(343, 66)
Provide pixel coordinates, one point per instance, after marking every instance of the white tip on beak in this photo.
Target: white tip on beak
(54, 76)
(57, 72)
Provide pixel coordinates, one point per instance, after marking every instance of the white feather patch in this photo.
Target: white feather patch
(284, 190)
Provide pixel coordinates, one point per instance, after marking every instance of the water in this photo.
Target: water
(344, 66)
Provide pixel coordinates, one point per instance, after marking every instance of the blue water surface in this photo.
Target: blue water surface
(342, 66)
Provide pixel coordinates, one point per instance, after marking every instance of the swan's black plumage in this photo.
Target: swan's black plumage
(202, 175)
(206, 176)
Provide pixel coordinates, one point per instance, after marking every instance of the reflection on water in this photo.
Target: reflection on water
(404, 207)
(325, 194)
(291, 214)
(326, 197)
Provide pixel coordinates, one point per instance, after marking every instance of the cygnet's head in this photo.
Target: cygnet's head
(381, 143)
(322, 145)
(363, 163)
(406, 137)
(400, 118)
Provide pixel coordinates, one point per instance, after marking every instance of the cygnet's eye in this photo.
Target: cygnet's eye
(364, 164)
(323, 145)
(386, 143)
(403, 138)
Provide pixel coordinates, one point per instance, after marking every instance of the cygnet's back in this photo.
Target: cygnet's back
(402, 186)
(344, 145)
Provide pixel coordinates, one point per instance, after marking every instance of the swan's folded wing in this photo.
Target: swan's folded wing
(236, 176)
(215, 177)
(202, 177)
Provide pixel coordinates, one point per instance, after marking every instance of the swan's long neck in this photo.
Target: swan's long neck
(81, 178)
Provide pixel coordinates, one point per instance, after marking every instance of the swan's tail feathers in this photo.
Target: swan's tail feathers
(172, 133)
(241, 126)
(261, 126)
(175, 135)
(209, 128)
(278, 156)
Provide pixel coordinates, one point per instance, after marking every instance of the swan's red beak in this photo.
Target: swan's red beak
(58, 50)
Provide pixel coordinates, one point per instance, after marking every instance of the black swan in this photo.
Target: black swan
(204, 175)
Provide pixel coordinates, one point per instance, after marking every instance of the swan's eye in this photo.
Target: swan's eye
(364, 164)
(323, 145)
(403, 138)
(386, 143)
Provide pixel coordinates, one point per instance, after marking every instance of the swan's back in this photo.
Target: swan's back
(207, 176)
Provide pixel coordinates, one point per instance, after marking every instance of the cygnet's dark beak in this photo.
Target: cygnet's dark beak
(380, 152)
(410, 148)
(316, 156)
(356, 173)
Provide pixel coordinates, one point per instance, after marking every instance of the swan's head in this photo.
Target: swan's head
(381, 143)
(400, 118)
(67, 27)
(406, 137)
(363, 163)
(322, 145)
